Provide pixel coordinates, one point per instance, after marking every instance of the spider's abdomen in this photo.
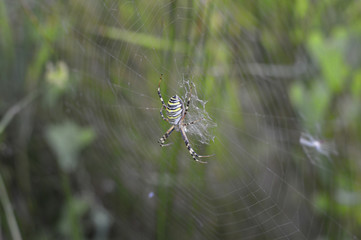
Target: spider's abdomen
(174, 109)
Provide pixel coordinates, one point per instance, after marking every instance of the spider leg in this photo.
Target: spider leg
(159, 94)
(165, 136)
(161, 99)
(190, 149)
(193, 122)
(161, 113)
(188, 101)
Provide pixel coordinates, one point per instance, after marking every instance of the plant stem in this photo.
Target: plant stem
(10, 114)
(4, 198)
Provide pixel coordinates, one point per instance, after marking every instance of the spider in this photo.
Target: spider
(176, 112)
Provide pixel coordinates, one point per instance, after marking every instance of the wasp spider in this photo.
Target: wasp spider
(176, 112)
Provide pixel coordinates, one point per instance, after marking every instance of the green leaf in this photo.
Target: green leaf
(329, 53)
(70, 221)
(141, 39)
(356, 84)
(67, 140)
(318, 102)
(321, 202)
(297, 94)
(301, 8)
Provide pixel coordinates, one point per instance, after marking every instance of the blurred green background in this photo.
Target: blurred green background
(79, 119)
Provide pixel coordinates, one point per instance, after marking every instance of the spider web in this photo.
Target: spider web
(260, 184)
(197, 113)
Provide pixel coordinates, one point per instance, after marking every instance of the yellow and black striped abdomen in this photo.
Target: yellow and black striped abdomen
(174, 109)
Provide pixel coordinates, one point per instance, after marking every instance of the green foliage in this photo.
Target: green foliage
(329, 54)
(70, 221)
(301, 8)
(312, 103)
(6, 38)
(141, 39)
(78, 82)
(67, 140)
(355, 86)
(57, 79)
(334, 92)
